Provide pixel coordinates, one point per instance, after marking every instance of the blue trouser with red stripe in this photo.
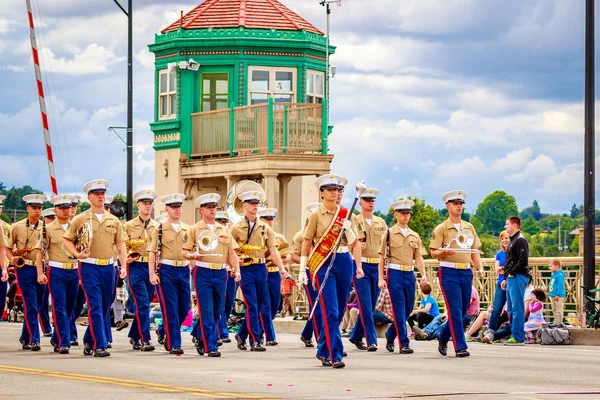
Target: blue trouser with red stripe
(210, 291)
(32, 291)
(43, 311)
(230, 290)
(332, 301)
(456, 285)
(402, 287)
(76, 312)
(3, 290)
(367, 293)
(63, 285)
(109, 337)
(313, 324)
(174, 295)
(142, 290)
(271, 304)
(97, 282)
(253, 284)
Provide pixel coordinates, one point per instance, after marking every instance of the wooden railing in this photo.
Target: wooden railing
(259, 129)
(203, 127)
(486, 287)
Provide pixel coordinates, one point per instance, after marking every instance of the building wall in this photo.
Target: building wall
(167, 179)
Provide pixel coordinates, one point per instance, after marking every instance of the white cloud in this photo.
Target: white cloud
(464, 168)
(94, 59)
(513, 160)
(5, 25)
(537, 169)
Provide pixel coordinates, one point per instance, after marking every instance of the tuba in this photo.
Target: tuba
(234, 208)
(20, 254)
(132, 245)
(207, 241)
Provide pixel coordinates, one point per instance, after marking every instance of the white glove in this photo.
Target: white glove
(350, 236)
(361, 187)
(302, 278)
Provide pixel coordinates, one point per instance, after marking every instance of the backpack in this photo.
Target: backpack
(554, 334)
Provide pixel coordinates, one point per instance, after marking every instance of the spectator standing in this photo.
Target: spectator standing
(499, 294)
(286, 295)
(556, 290)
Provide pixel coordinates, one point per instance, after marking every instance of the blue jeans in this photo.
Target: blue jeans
(515, 290)
(380, 317)
(434, 328)
(499, 301)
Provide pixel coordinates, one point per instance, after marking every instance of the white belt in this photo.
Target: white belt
(398, 267)
(29, 262)
(455, 265)
(342, 249)
(55, 264)
(98, 261)
(370, 260)
(174, 263)
(211, 265)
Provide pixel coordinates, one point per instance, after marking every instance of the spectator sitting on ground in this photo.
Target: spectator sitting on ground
(383, 309)
(478, 323)
(536, 315)
(427, 311)
(351, 314)
(504, 330)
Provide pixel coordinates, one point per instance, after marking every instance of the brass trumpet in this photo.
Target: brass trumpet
(132, 245)
(20, 254)
(245, 250)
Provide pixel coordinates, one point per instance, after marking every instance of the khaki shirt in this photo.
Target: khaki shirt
(6, 230)
(445, 232)
(24, 236)
(172, 242)
(373, 234)
(3, 237)
(403, 249)
(297, 241)
(224, 245)
(319, 220)
(135, 230)
(105, 234)
(240, 230)
(55, 244)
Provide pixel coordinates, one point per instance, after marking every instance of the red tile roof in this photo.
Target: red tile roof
(264, 14)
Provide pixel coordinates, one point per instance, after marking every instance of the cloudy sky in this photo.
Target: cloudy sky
(429, 96)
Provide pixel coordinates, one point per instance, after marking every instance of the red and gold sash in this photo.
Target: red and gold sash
(327, 243)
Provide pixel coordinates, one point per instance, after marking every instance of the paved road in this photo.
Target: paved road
(291, 371)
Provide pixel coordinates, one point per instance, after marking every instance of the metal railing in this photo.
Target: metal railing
(298, 128)
(251, 129)
(210, 133)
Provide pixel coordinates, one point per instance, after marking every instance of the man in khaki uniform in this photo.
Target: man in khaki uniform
(400, 250)
(140, 229)
(25, 236)
(373, 229)
(210, 271)
(231, 288)
(253, 232)
(80, 293)
(61, 277)
(455, 274)
(173, 277)
(96, 271)
(4, 240)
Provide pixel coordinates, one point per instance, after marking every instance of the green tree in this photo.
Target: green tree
(576, 211)
(489, 245)
(476, 224)
(5, 218)
(551, 251)
(530, 226)
(83, 206)
(494, 209)
(574, 247)
(534, 210)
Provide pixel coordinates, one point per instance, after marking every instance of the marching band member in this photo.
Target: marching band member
(169, 270)
(48, 215)
(313, 324)
(222, 218)
(323, 228)
(273, 295)
(24, 238)
(252, 232)
(367, 291)
(61, 277)
(399, 248)
(95, 232)
(109, 338)
(4, 240)
(80, 294)
(210, 272)
(140, 229)
(455, 274)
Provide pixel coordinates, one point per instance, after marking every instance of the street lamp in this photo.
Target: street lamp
(326, 4)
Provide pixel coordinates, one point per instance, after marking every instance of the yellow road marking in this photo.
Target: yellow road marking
(127, 383)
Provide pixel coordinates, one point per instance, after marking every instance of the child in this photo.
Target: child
(286, 295)
(536, 315)
(427, 310)
(556, 290)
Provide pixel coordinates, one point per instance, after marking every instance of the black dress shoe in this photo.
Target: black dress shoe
(108, 345)
(406, 350)
(147, 346)
(54, 346)
(219, 342)
(24, 345)
(166, 346)
(200, 347)
(256, 346)
(161, 338)
(325, 362)
(135, 344)
(63, 350)
(101, 353)
(443, 348)
(241, 343)
(194, 340)
(74, 342)
(271, 343)
(87, 350)
(372, 347)
(389, 346)
(338, 364)
(226, 340)
(47, 334)
(359, 345)
(307, 342)
(462, 353)
(214, 353)
(35, 346)
(176, 350)
(344, 354)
